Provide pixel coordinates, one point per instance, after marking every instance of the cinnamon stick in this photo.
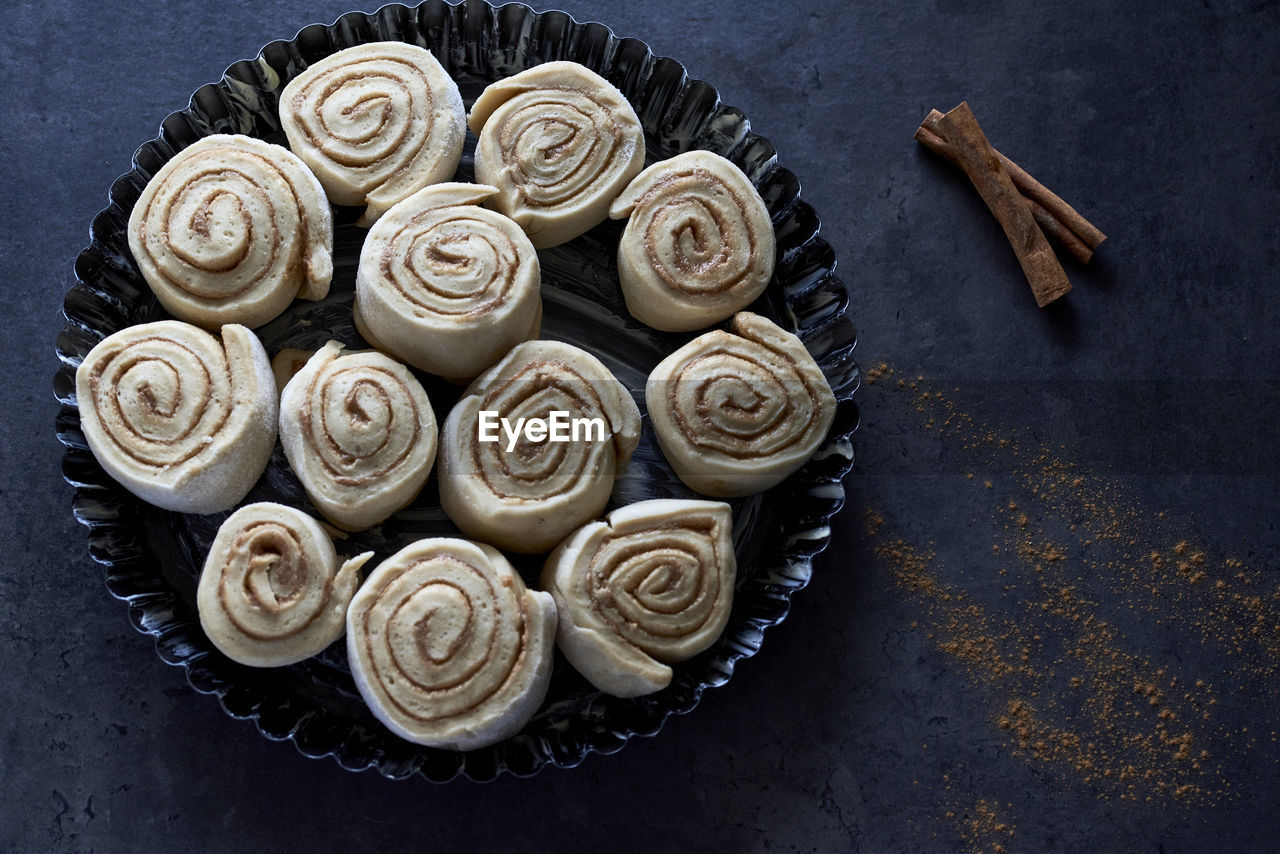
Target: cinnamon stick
(1059, 220)
(1058, 231)
(979, 161)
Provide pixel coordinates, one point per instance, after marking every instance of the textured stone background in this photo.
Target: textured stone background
(853, 729)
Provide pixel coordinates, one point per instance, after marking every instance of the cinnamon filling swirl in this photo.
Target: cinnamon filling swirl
(448, 647)
(525, 494)
(649, 587)
(698, 246)
(181, 419)
(736, 413)
(376, 123)
(359, 432)
(446, 285)
(559, 143)
(231, 230)
(272, 592)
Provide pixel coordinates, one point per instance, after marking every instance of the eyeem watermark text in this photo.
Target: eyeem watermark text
(558, 426)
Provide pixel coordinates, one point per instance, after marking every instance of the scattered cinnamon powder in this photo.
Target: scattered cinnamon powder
(984, 829)
(876, 372)
(1068, 688)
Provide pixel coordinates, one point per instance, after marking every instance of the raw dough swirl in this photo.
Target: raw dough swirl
(446, 285)
(360, 434)
(737, 413)
(448, 647)
(231, 230)
(650, 586)
(178, 418)
(272, 592)
(375, 122)
(528, 498)
(560, 143)
(698, 246)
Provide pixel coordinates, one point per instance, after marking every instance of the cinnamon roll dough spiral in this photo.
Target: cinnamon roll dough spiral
(528, 498)
(272, 591)
(698, 246)
(737, 412)
(560, 143)
(650, 586)
(359, 432)
(448, 647)
(179, 418)
(446, 285)
(231, 230)
(375, 122)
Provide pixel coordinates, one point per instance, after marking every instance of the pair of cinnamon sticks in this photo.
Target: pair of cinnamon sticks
(1025, 208)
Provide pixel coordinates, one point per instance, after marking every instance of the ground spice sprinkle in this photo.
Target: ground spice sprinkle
(1070, 685)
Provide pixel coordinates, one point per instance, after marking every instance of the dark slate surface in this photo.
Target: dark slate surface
(865, 723)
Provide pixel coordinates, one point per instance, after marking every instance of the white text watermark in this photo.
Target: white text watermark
(558, 426)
